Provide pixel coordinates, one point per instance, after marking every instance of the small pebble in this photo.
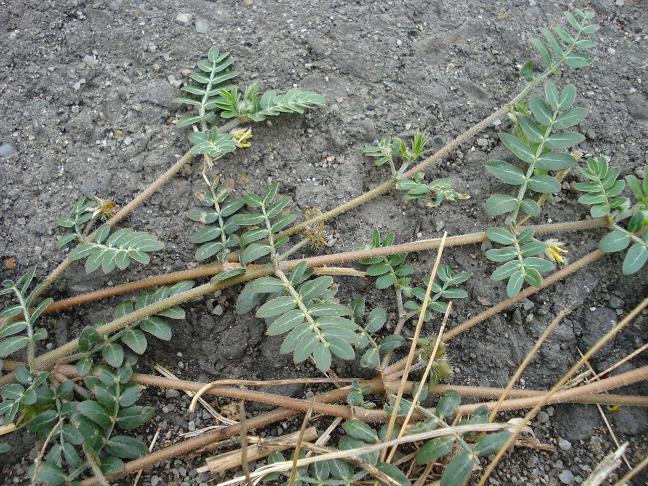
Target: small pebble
(615, 302)
(171, 393)
(218, 310)
(564, 444)
(183, 19)
(566, 477)
(543, 417)
(6, 150)
(202, 26)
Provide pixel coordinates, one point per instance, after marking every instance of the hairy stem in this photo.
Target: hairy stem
(126, 210)
(214, 269)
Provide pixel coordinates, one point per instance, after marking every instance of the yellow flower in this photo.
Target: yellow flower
(105, 208)
(554, 250)
(241, 136)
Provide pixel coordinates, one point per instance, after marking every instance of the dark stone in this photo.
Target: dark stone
(576, 422)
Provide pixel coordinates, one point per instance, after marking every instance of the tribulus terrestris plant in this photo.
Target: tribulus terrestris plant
(249, 239)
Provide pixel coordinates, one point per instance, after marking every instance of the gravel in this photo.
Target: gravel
(183, 19)
(566, 477)
(7, 150)
(202, 25)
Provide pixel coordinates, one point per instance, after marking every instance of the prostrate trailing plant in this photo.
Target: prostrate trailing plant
(393, 271)
(295, 304)
(80, 421)
(105, 250)
(604, 195)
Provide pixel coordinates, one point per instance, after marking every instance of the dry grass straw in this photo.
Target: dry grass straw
(165, 372)
(262, 448)
(300, 439)
(456, 430)
(527, 359)
(423, 381)
(606, 466)
(41, 453)
(412, 351)
(631, 474)
(532, 413)
(244, 444)
(150, 449)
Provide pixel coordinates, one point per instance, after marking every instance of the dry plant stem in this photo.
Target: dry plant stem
(211, 439)
(41, 454)
(175, 277)
(527, 359)
(592, 393)
(572, 371)
(303, 381)
(458, 430)
(369, 468)
(631, 474)
(505, 304)
(584, 392)
(150, 449)
(423, 380)
(602, 413)
(605, 468)
(244, 444)
(412, 351)
(300, 439)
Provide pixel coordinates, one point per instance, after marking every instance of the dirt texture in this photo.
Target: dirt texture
(86, 96)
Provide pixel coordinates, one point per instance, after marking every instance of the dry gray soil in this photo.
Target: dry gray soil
(76, 74)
